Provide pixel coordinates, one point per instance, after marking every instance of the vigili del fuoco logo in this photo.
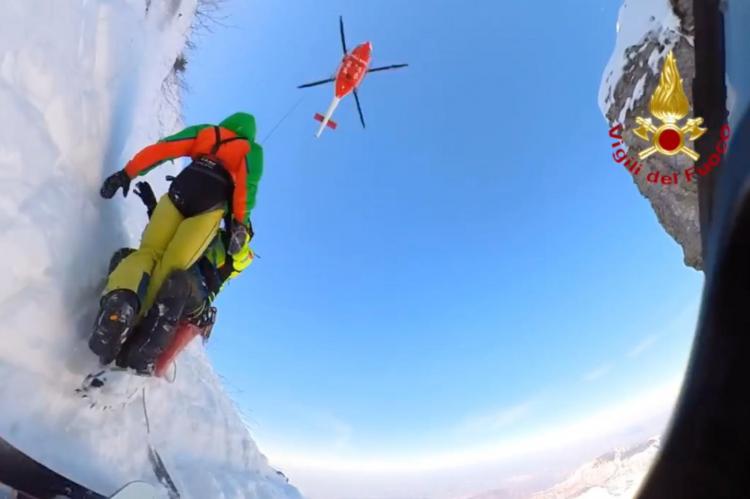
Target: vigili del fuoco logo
(669, 136)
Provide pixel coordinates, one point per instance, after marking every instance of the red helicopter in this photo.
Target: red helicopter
(349, 75)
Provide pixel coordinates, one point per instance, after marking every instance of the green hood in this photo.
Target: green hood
(243, 124)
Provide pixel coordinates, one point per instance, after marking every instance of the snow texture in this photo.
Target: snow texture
(637, 20)
(637, 94)
(81, 89)
(618, 474)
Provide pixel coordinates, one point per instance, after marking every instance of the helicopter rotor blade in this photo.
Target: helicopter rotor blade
(359, 108)
(343, 39)
(384, 68)
(320, 82)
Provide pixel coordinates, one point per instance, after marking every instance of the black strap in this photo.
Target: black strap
(230, 139)
(220, 142)
(217, 142)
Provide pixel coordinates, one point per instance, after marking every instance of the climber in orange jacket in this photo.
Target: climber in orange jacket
(220, 183)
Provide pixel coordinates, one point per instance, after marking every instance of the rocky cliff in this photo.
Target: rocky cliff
(646, 32)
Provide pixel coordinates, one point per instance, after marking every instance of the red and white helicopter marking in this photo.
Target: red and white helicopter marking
(348, 77)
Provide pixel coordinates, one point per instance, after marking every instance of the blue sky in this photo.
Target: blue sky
(470, 266)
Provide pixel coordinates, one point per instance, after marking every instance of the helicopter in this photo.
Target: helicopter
(348, 77)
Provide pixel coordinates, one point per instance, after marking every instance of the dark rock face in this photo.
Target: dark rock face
(683, 9)
(676, 206)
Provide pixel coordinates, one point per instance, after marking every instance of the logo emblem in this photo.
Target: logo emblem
(670, 105)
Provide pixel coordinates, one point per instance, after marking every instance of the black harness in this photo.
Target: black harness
(205, 184)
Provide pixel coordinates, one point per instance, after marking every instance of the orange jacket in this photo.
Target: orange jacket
(199, 141)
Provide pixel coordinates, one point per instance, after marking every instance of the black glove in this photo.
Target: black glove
(114, 182)
(238, 238)
(143, 190)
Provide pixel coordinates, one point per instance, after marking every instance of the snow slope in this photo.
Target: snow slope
(81, 89)
(617, 474)
(638, 21)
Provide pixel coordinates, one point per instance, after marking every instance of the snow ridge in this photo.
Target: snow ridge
(638, 21)
(617, 474)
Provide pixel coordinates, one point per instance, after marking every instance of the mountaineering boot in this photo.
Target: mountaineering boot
(117, 313)
(156, 330)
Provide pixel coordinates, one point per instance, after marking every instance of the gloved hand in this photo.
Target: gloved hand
(113, 183)
(238, 238)
(143, 190)
(241, 260)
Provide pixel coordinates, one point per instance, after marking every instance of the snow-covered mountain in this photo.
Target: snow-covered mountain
(617, 474)
(646, 31)
(83, 85)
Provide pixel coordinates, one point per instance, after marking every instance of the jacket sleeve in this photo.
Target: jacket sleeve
(172, 147)
(246, 184)
(254, 173)
(239, 197)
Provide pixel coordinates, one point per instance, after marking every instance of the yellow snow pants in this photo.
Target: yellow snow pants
(169, 242)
